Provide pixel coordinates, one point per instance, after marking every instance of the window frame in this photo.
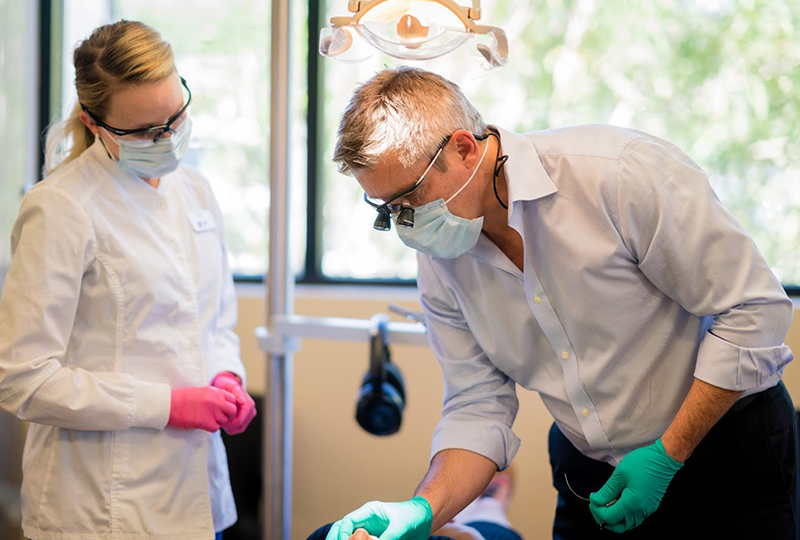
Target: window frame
(51, 25)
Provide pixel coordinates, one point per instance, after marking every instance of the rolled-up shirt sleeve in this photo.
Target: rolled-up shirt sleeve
(691, 248)
(53, 244)
(480, 401)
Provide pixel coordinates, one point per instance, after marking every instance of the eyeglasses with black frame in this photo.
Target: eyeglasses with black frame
(156, 131)
(404, 212)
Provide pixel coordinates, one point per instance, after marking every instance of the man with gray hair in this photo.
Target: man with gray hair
(595, 266)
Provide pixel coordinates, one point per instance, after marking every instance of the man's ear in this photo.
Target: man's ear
(467, 147)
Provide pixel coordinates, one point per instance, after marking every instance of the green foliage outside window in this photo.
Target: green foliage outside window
(719, 78)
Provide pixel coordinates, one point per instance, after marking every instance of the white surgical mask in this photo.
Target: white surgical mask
(147, 159)
(439, 233)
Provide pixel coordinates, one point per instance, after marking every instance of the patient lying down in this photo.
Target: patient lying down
(484, 519)
(452, 530)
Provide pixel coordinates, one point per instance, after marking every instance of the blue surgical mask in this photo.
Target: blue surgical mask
(147, 159)
(439, 233)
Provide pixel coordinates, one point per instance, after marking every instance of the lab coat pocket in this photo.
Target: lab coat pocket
(62, 462)
(163, 483)
(36, 458)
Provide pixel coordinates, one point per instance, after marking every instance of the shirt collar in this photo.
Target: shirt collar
(526, 180)
(487, 252)
(525, 175)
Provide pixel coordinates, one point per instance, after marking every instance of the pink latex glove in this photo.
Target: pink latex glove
(201, 407)
(246, 407)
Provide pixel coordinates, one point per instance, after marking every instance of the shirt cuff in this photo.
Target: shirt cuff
(151, 404)
(491, 440)
(731, 367)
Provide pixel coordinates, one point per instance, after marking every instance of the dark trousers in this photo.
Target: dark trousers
(490, 531)
(739, 483)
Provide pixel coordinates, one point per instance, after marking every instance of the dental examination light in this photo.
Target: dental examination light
(411, 30)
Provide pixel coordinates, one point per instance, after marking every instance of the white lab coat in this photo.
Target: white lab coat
(117, 292)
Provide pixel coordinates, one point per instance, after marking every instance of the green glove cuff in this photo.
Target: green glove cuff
(425, 502)
(669, 460)
(422, 501)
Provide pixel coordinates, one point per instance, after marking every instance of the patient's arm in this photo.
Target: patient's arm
(458, 532)
(452, 530)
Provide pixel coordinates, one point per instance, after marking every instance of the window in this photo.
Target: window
(719, 78)
(18, 147)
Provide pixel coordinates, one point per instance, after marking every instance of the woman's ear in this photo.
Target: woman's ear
(89, 123)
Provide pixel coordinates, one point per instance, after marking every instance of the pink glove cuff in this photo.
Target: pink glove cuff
(224, 377)
(176, 408)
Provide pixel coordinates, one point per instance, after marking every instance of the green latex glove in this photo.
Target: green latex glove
(638, 484)
(410, 520)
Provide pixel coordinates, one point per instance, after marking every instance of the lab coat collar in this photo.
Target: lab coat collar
(98, 153)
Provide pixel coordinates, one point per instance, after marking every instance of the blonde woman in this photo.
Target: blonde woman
(117, 314)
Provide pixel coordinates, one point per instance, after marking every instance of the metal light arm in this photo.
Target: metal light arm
(285, 329)
(465, 14)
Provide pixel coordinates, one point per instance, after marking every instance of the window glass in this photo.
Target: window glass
(222, 50)
(719, 78)
(18, 146)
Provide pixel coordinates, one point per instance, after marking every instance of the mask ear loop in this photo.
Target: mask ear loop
(486, 148)
(108, 153)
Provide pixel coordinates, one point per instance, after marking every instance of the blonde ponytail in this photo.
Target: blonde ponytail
(66, 140)
(122, 54)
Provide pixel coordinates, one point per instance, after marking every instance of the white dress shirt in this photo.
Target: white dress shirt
(635, 281)
(117, 292)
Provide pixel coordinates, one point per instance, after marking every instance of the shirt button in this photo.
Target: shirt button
(564, 355)
(537, 300)
(585, 412)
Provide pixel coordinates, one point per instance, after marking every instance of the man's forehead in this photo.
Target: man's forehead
(386, 178)
(374, 181)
